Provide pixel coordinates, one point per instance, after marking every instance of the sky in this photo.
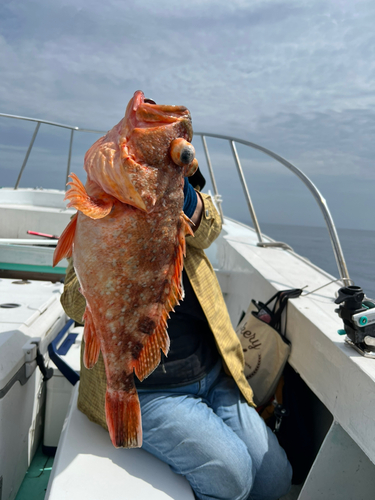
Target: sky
(294, 76)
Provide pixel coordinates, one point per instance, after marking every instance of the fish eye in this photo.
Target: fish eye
(149, 101)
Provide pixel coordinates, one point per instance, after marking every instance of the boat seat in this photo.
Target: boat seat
(88, 466)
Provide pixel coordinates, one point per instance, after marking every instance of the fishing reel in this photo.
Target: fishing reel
(358, 315)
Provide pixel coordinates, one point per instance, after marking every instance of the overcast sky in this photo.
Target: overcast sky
(295, 76)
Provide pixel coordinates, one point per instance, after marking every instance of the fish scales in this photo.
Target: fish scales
(127, 241)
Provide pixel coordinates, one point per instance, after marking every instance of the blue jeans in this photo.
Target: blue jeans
(208, 433)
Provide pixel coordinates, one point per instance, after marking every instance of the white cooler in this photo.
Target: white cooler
(59, 387)
(30, 318)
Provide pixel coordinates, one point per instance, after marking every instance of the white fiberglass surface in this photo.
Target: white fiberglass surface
(51, 198)
(86, 455)
(342, 379)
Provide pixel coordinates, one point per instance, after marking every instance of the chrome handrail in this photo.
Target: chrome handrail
(337, 250)
(54, 124)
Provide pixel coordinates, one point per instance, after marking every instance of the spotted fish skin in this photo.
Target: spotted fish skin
(128, 242)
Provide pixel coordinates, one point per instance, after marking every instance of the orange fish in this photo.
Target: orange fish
(128, 241)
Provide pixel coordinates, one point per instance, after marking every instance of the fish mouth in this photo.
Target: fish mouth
(144, 113)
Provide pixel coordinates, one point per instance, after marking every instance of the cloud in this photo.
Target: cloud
(294, 76)
(334, 143)
(230, 62)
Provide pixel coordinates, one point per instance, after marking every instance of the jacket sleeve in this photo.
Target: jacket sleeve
(72, 300)
(209, 227)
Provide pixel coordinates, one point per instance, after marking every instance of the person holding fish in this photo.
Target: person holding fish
(158, 340)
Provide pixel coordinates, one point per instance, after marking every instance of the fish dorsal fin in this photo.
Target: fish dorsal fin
(149, 357)
(65, 244)
(79, 199)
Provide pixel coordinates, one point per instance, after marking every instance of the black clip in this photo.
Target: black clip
(280, 412)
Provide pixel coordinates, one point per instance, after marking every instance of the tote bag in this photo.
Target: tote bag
(265, 347)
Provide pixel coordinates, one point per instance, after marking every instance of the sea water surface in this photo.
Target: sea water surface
(314, 243)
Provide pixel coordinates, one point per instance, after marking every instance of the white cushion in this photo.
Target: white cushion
(88, 466)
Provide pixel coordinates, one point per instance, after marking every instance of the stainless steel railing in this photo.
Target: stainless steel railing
(337, 250)
(54, 124)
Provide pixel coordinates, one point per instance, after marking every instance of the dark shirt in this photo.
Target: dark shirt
(193, 352)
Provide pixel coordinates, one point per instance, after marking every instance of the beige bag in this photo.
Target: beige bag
(266, 349)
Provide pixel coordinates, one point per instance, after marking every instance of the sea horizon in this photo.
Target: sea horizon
(313, 242)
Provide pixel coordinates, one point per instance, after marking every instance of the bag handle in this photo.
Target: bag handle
(281, 299)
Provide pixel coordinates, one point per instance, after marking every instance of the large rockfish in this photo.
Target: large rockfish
(127, 241)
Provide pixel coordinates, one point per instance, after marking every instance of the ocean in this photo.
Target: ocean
(313, 242)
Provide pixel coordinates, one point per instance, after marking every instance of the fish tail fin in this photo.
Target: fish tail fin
(123, 414)
(92, 344)
(79, 199)
(65, 244)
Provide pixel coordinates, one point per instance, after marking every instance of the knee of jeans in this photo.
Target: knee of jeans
(280, 483)
(284, 480)
(236, 478)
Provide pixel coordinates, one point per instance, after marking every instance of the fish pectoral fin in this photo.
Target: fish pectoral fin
(92, 344)
(123, 415)
(124, 189)
(65, 244)
(79, 199)
(149, 357)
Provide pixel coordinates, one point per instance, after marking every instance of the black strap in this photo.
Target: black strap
(280, 301)
(54, 354)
